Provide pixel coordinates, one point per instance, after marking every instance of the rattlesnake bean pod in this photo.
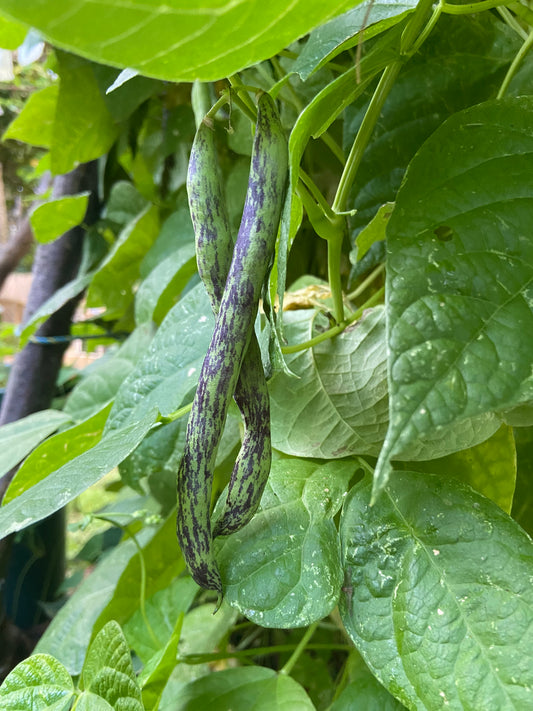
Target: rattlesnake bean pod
(214, 247)
(233, 330)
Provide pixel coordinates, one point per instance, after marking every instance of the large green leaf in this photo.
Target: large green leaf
(55, 217)
(170, 367)
(465, 59)
(437, 594)
(174, 40)
(83, 128)
(56, 451)
(337, 404)
(39, 683)
(282, 569)
(101, 385)
(68, 635)
(460, 276)
(17, 439)
(113, 283)
(244, 689)
(67, 482)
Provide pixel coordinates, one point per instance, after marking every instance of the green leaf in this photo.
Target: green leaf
(337, 404)
(55, 302)
(466, 59)
(282, 569)
(12, 33)
(35, 122)
(68, 635)
(373, 232)
(108, 671)
(113, 283)
(244, 689)
(55, 452)
(83, 128)
(102, 384)
(175, 41)
(17, 439)
(170, 367)
(52, 219)
(161, 289)
(326, 42)
(489, 467)
(437, 594)
(158, 669)
(67, 482)
(162, 611)
(38, 683)
(459, 304)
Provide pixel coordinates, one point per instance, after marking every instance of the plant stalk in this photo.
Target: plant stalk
(310, 631)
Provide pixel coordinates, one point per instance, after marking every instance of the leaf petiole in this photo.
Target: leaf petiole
(288, 666)
(472, 7)
(332, 332)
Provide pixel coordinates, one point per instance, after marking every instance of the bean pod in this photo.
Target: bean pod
(214, 247)
(233, 332)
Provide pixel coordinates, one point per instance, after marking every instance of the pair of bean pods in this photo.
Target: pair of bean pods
(233, 275)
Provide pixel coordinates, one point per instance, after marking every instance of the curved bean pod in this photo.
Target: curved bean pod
(214, 246)
(233, 329)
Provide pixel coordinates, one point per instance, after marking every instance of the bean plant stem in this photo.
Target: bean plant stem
(258, 651)
(366, 283)
(330, 333)
(512, 22)
(175, 415)
(472, 7)
(413, 31)
(142, 564)
(517, 61)
(310, 631)
(238, 85)
(386, 82)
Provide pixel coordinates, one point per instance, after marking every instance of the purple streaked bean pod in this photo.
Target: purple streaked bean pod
(233, 344)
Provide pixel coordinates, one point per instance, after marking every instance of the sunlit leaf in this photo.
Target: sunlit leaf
(52, 219)
(459, 305)
(437, 594)
(175, 41)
